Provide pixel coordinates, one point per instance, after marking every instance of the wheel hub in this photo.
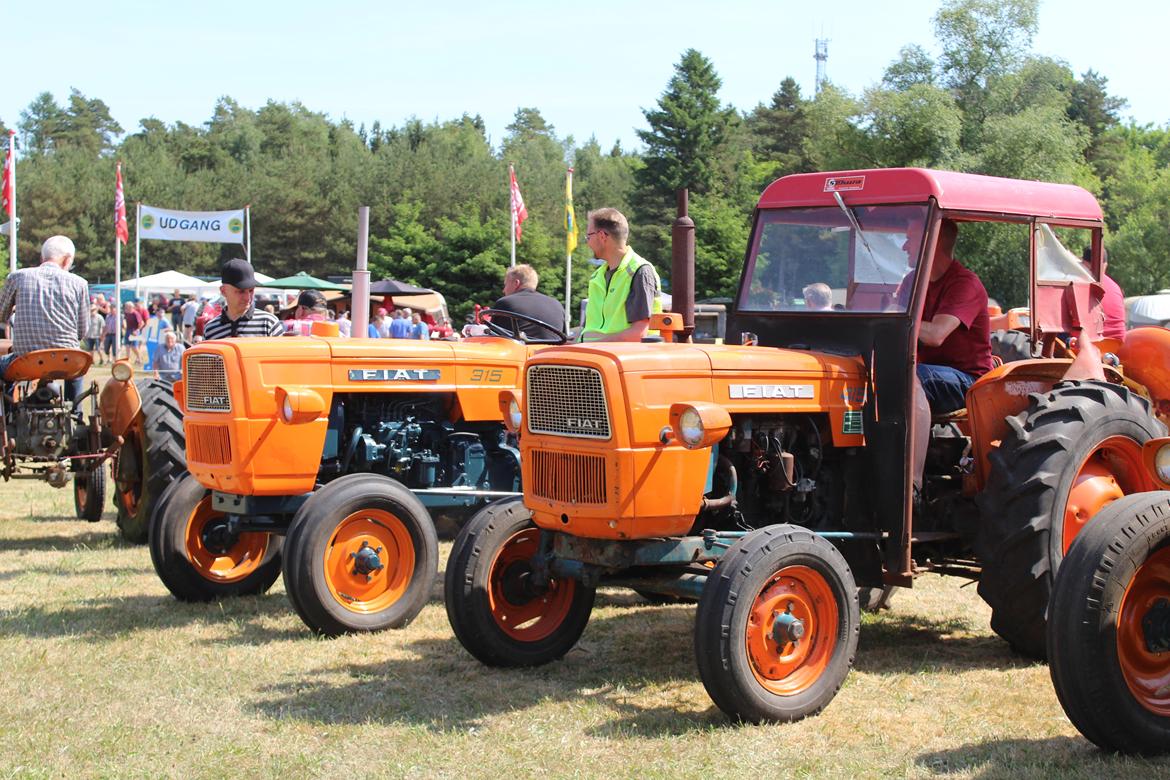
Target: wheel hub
(787, 628)
(218, 536)
(1156, 627)
(366, 560)
(517, 584)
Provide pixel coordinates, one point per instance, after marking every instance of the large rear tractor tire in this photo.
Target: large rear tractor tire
(1109, 627)
(361, 555)
(199, 557)
(1073, 451)
(496, 611)
(89, 493)
(152, 456)
(777, 626)
(1011, 345)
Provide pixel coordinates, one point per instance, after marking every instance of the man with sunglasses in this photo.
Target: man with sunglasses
(240, 318)
(625, 290)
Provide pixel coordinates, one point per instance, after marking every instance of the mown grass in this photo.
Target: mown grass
(102, 673)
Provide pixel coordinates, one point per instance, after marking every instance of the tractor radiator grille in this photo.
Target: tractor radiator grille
(567, 401)
(569, 477)
(208, 444)
(207, 389)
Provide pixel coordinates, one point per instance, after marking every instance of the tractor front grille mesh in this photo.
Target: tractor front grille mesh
(208, 444)
(207, 389)
(567, 401)
(569, 477)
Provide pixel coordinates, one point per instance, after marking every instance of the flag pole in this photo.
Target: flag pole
(137, 259)
(512, 211)
(137, 237)
(570, 237)
(12, 195)
(248, 230)
(117, 307)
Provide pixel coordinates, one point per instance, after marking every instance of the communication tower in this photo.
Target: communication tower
(822, 56)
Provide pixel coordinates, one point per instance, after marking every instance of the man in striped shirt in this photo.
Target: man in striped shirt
(240, 318)
(52, 306)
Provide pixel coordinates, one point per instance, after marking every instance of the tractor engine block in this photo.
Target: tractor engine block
(43, 424)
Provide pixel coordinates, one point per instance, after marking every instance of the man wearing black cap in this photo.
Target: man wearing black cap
(239, 317)
(310, 308)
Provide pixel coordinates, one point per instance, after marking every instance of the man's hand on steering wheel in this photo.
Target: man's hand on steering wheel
(486, 317)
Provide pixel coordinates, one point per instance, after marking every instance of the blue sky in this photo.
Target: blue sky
(589, 72)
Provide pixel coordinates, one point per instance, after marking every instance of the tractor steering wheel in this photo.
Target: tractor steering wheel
(515, 333)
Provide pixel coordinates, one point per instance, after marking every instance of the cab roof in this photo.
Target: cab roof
(957, 191)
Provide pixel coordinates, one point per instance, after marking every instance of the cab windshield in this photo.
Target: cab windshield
(825, 261)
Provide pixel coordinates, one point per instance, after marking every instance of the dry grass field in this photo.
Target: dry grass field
(103, 674)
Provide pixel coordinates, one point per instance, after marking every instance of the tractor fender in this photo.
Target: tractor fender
(1145, 356)
(120, 405)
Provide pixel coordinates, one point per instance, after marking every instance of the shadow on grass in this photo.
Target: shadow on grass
(98, 619)
(901, 644)
(1051, 757)
(64, 542)
(619, 658)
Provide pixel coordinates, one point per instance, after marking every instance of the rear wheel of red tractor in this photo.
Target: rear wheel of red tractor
(496, 611)
(1109, 627)
(361, 555)
(1073, 451)
(777, 626)
(199, 557)
(151, 458)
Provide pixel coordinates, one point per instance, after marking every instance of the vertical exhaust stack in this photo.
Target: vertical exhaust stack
(682, 267)
(359, 299)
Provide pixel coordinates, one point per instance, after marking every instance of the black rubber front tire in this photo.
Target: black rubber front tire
(771, 572)
(488, 566)
(89, 493)
(187, 567)
(1021, 539)
(1114, 582)
(152, 457)
(321, 575)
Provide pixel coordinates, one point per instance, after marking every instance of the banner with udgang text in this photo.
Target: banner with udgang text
(221, 227)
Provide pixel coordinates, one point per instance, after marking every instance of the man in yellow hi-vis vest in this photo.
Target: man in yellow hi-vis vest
(624, 291)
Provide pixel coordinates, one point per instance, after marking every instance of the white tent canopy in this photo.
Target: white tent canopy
(168, 281)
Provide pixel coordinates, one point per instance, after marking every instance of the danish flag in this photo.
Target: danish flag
(519, 212)
(121, 230)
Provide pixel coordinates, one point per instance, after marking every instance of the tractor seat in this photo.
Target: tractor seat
(49, 364)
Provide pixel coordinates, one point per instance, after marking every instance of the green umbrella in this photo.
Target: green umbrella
(302, 281)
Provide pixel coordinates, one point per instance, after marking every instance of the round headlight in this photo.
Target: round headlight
(286, 410)
(690, 428)
(122, 371)
(1162, 462)
(514, 415)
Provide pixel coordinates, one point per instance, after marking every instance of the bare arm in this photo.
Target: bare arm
(935, 332)
(634, 332)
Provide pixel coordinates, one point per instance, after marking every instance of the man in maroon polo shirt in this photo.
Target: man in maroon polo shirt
(1113, 302)
(954, 337)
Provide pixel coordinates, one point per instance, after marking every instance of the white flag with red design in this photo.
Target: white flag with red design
(121, 229)
(6, 194)
(519, 212)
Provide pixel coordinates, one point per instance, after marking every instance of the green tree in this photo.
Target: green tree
(40, 123)
(688, 131)
(981, 40)
(778, 130)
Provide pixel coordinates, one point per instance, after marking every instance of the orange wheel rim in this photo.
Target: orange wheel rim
(228, 565)
(369, 562)
(1147, 673)
(1112, 470)
(520, 613)
(795, 595)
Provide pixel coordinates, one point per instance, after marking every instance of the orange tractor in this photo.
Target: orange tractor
(768, 481)
(326, 457)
